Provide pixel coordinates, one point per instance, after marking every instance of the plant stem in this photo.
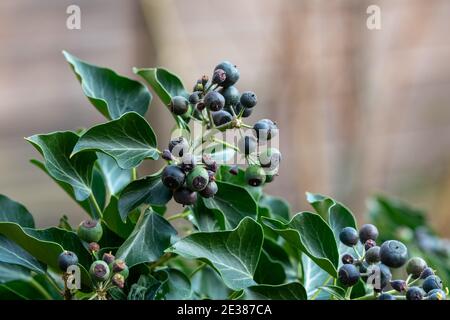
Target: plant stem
(246, 126)
(166, 257)
(41, 289)
(225, 144)
(200, 267)
(134, 174)
(183, 214)
(96, 206)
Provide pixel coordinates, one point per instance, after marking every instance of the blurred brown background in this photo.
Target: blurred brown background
(360, 111)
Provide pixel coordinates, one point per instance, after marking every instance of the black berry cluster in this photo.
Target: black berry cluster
(186, 175)
(374, 265)
(220, 105)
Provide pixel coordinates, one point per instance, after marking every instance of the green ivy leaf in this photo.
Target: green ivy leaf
(12, 253)
(46, 244)
(278, 208)
(288, 291)
(234, 254)
(234, 202)
(11, 272)
(207, 284)
(12, 211)
(85, 204)
(115, 177)
(320, 203)
(113, 220)
(174, 285)
(269, 271)
(166, 85)
(314, 277)
(205, 219)
(111, 94)
(129, 140)
(145, 288)
(148, 190)
(150, 237)
(310, 234)
(76, 171)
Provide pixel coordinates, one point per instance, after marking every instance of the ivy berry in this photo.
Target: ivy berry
(415, 266)
(393, 253)
(368, 232)
(414, 293)
(347, 259)
(197, 179)
(255, 175)
(119, 266)
(210, 190)
(348, 275)
(67, 259)
(178, 146)
(99, 270)
(431, 283)
(248, 99)
(179, 105)
(221, 117)
(231, 96)
(173, 177)
(232, 73)
(265, 129)
(349, 236)
(185, 196)
(90, 231)
(214, 101)
(373, 255)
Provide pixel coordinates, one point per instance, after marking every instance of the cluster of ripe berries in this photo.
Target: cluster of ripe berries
(185, 175)
(376, 261)
(108, 269)
(220, 104)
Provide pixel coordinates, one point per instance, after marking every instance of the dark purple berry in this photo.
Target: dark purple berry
(179, 105)
(185, 196)
(347, 259)
(248, 99)
(173, 177)
(214, 101)
(368, 232)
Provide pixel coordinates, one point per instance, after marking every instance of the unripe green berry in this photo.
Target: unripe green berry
(197, 179)
(90, 231)
(255, 175)
(99, 270)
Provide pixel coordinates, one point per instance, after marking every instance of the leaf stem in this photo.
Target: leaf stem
(165, 257)
(96, 206)
(183, 214)
(134, 174)
(200, 267)
(41, 289)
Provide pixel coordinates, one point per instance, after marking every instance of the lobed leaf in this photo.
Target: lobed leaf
(111, 94)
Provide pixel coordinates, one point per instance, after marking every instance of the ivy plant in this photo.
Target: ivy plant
(237, 242)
